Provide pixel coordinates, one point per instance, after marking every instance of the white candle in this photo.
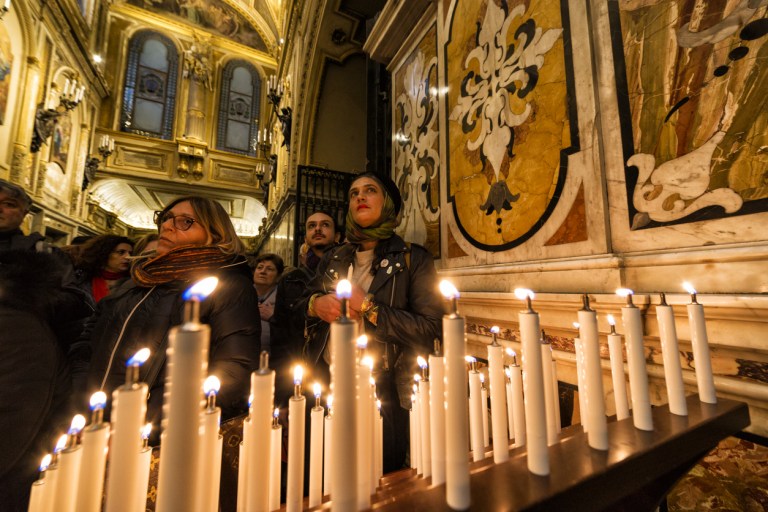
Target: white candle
(129, 410)
(425, 420)
(327, 447)
(701, 360)
(242, 464)
(555, 387)
(416, 431)
(142, 479)
(275, 461)
(258, 437)
(375, 417)
(533, 385)
(475, 411)
(484, 411)
(549, 394)
(210, 419)
(90, 486)
(297, 406)
(598, 424)
(617, 372)
(316, 451)
(69, 468)
(437, 415)
(364, 421)
(638, 373)
(52, 476)
(186, 367)
(581, 380)
(37, 491)
(379, 442)
(673, 372)
(457, 492)
(344, 433)
(498, 402)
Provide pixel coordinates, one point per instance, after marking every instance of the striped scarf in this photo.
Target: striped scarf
(186, 263)
(381, 230)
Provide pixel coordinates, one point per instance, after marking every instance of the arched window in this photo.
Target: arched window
(149, 97)
(239, 108)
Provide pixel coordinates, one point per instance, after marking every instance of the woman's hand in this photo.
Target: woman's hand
(266, 311)
(328, 308)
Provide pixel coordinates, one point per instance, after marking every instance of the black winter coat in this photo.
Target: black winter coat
(146, 316)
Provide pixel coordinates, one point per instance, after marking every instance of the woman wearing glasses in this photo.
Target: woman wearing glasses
(196, 239)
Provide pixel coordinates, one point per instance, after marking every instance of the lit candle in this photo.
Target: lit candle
(37, 492)
(475, 411)
(364, 421)
(437, 414)
(375, 416)
(702, 364)
(327, 447)
(533, 386)
(598, 424)
(129, 411)
(379, 442)
(549, 393)
(498, 414)
(581, 380)
(415, 433)
(90, 486)
(457, 492)
(484, 411)
(53, 476)
(275, 461)
(673, 372)
(344, 434)
(424, 416)
(69, 468)
(210, 440)
(638, 373)
(256, 443)
(142, 479)
(316, 450)
(242, 461)
(516, 405)
(617, 371)
(297, 406)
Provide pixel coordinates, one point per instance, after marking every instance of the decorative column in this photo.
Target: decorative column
(28, 101)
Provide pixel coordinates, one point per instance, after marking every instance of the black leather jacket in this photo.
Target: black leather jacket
(147, 314)
(405, 289)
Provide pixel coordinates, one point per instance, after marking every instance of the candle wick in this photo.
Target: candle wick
(613, 329)
(264, 362)
(662, 299)
(693, 298)
(437, 347)
(585, 302)
(211, 405)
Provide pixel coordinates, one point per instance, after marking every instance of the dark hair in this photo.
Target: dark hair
(215, 220)
(94, 254)
(327, 214)
(274, 258)
(80, 239)
(16, 192)
(143, 242)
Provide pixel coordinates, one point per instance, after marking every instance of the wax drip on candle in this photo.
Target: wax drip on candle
(450, 293)
(424, 368)
(145, 436)
(626, 292)
(133, 364)
(316, 389)
(688, 287)
(494, 331)
(612, 323)
(194, 295)
(276, 418)
(526, 295)
(211, 388)
(437, 348)
(511, 353)
(298, 373)
(472, 362)
(343, 293)
(98, 401)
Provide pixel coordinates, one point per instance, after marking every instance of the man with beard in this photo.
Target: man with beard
(288, 329)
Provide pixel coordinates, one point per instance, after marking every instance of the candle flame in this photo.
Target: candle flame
(576, 325)
(362, 341)
(78, 422)
(298, 373)
(61, 443)
(511, 353)
(482, 377)
(329, 401)
(623, 292)
(470, 359)
(367, 361)
(495, 329)
(45, 462)
(372, 381)
(211, 385)
(422, 362)
(688, 287)
(415, 388)
(508, 371)
(316, 389)
(98, 400)
(343, 289)
(413, 398)
(611, 320)
(448, 290)
(378, 405)
(524, 293)
(201, 289)
(416, 377)
(139, 358)
(276, 412)
(146, 430)
(250, 400)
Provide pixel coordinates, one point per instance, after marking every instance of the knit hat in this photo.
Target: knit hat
(389, 186)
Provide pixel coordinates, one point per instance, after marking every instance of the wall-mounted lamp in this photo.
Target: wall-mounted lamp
(106, 148)
(46, 118)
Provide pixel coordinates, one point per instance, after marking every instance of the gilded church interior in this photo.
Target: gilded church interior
(569, 147)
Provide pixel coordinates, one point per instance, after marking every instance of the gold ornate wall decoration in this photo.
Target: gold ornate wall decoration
(694, 123)
(6, 62)
(509, 125)
(574, 227)
(415, 144)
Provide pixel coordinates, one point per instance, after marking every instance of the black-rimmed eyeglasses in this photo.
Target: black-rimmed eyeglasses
(180, 222)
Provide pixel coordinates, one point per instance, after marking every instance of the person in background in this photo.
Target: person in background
(267, 270)
(394, 295)
(146, 245)
(102, 264)
(196, 240)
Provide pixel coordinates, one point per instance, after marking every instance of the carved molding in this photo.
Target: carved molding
(394, 25)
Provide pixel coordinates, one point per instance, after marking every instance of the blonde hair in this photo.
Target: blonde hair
(215, 221)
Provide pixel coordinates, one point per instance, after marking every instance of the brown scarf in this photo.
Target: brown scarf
(181, 264)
